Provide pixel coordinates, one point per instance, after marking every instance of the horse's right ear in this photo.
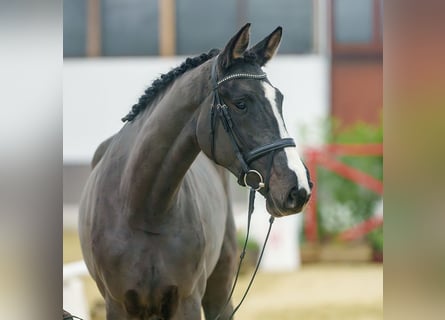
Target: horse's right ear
(235, 47)
(266, 48)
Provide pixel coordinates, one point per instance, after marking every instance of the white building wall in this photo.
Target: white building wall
(97, 93)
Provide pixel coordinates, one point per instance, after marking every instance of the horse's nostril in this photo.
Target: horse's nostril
(297, 198)
(302, 193)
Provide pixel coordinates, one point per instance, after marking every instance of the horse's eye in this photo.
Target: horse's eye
(240, 105)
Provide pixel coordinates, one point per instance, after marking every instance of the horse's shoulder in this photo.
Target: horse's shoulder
(221, 172)
(209, 168)
(100, 151)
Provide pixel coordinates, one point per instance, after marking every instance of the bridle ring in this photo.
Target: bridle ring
(260, 184)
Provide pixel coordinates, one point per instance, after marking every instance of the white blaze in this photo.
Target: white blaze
(293, 159)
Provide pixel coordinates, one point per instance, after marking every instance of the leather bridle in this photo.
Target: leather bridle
(248, 177)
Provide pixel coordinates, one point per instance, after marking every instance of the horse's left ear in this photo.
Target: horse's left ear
(266, 48)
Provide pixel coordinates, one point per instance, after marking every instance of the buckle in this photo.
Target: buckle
(257, 178)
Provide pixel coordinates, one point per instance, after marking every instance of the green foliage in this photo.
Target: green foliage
(342, 203)
(252, 251)
(375, 238)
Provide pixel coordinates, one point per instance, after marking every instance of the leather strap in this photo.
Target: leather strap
(263, 150)
(221, 111)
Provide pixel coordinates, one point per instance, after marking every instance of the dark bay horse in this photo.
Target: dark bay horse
(156, 226)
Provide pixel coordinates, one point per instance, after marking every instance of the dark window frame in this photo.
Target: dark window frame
(94, 45)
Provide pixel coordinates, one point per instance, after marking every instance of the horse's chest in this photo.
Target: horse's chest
(145, 260)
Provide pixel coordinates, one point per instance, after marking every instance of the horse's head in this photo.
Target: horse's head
(244, 131)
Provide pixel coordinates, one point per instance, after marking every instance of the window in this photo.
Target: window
(357, 26)
(129, 28)
(204, 24)
(353, 21)
(295, 16)
(132, 27)
(196, 18)
(74, 28)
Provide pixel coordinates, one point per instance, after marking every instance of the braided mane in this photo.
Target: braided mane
(160, 84)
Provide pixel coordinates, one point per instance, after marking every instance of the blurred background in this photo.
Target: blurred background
(322, 264)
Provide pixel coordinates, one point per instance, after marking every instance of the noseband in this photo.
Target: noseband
(248, 177)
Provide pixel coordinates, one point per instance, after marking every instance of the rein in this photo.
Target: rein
(69, 316)
(242, 255)
(248, 177)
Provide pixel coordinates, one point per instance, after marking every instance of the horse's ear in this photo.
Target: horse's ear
(235, 47)
(266, 48)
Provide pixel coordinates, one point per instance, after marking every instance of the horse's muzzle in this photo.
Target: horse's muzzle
(296, 199)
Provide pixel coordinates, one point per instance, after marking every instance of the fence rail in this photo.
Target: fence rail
(326, 157)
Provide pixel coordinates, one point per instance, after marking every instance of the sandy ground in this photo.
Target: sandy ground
(315, 292)
(335, 291)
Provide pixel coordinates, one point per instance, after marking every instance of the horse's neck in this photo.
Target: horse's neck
(164, 149)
